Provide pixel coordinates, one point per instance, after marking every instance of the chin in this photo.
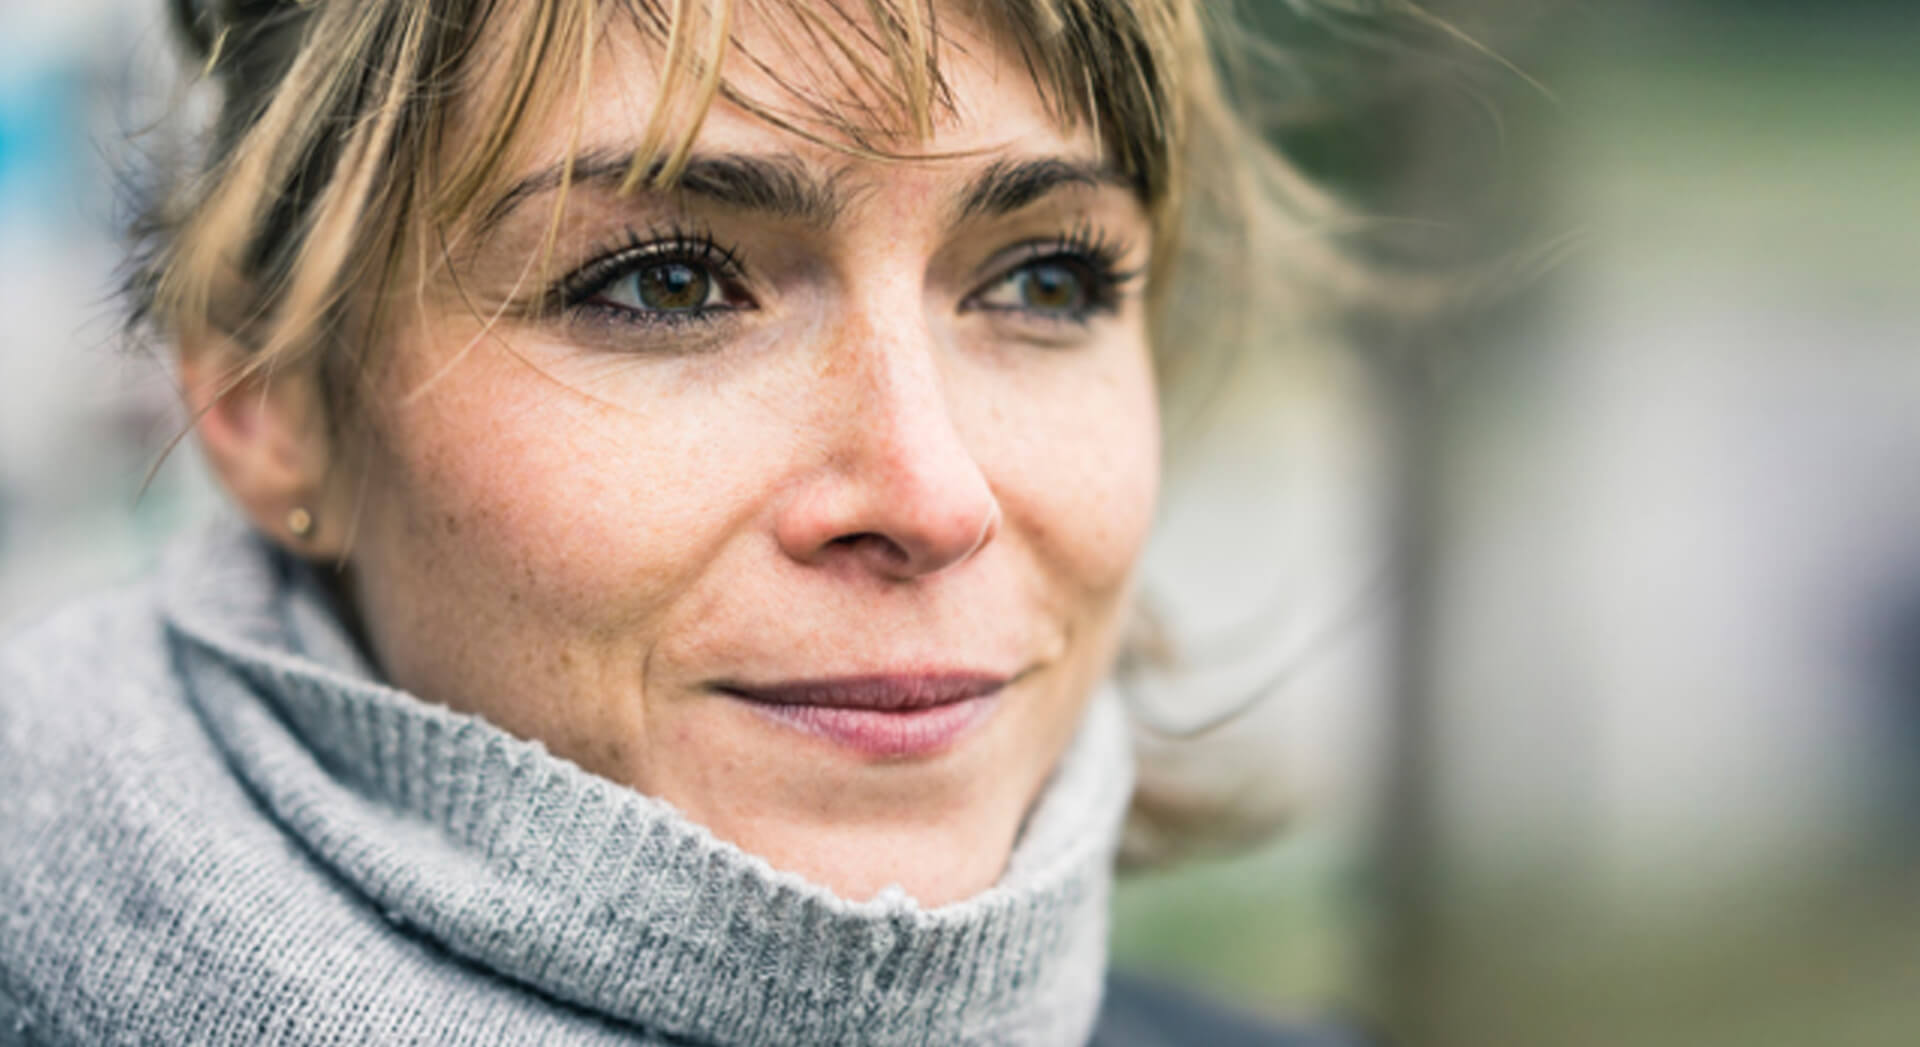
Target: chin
(934, 861)
(929, 800)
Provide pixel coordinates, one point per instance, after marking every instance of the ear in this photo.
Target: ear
(267, 438)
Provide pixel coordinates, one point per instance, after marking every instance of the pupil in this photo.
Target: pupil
(673, 286)
(1051, 287)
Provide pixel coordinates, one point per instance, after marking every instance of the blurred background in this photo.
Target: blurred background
(1585, 611)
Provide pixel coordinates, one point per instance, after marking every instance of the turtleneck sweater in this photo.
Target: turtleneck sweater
(218, 826)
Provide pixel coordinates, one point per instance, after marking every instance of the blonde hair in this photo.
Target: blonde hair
(329, 162)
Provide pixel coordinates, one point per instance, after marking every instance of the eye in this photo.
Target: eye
(664, 287)
(1069, 278)
(1047, 285)
(669, 279)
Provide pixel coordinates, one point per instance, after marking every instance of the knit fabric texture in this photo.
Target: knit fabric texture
(218, 827)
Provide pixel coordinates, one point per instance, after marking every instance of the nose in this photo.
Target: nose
(896, 492)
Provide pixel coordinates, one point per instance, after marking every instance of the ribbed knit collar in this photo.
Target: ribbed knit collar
(514, 859)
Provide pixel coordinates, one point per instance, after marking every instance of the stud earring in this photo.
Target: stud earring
(300, 521)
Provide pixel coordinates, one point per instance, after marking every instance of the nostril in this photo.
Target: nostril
(888, 552)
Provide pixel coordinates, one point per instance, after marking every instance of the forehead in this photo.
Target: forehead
(832, 94)
(804, 80)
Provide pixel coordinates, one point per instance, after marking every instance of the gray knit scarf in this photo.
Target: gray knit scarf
(509, 887)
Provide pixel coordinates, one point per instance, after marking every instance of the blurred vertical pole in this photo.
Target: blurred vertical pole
(1408, 852)
(1457, 178)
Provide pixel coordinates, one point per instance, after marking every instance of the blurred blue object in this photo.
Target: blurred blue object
(40, 140)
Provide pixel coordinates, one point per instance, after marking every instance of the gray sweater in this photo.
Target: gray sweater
(218, 827)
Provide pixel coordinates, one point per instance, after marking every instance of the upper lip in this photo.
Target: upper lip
(885, 691)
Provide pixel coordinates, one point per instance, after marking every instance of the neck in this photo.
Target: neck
(593, 894)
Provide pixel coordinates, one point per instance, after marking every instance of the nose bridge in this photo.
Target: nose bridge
(902, 492)
(907, 433)
(904, 424)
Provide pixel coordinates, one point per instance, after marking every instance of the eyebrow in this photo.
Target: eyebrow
(782, 185)
(1005, 186)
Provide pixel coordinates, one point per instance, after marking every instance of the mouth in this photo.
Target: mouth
(888, 716)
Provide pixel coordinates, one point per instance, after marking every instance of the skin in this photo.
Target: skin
(573, 524)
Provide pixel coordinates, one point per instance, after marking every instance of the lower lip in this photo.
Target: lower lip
(885, 733)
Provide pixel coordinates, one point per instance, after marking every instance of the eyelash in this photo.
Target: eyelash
(636, 252)
(1094, 254)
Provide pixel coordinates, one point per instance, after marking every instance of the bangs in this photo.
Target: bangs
(874, 86)
(357, 136)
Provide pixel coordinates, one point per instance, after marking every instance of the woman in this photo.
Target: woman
(693, 460)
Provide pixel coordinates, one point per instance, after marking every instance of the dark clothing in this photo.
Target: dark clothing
(1142, 1012)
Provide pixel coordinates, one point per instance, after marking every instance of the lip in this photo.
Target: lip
(890, 715)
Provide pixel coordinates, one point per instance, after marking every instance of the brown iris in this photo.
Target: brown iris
(673, 287)
(1051, 287)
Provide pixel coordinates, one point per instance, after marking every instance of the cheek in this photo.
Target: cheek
(1087, 479)
(512, 496)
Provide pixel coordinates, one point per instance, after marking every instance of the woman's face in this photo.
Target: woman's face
(805, 498)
